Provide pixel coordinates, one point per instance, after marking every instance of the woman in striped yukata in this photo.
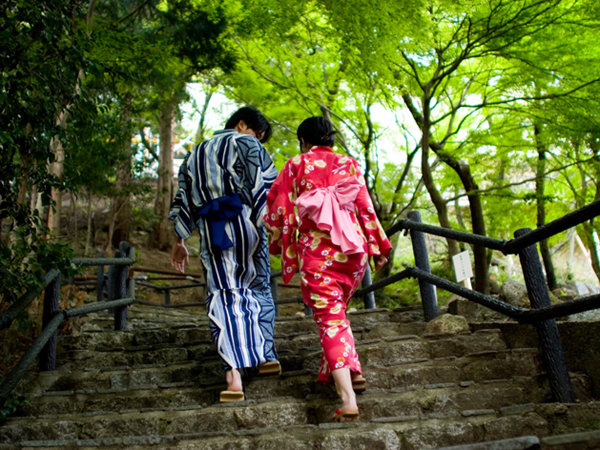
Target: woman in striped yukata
(223, 185)
(320, 210)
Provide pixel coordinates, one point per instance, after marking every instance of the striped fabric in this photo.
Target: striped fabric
(239, 302)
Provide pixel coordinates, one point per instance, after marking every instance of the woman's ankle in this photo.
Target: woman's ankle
(233, 380)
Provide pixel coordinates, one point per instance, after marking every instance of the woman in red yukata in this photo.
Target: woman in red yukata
(319, 210)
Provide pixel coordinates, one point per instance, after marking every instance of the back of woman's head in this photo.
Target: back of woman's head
(316, 131)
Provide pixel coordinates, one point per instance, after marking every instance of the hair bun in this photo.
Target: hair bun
(328, 135)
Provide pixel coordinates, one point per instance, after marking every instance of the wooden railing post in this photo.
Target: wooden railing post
(100, 281)
(130, 283)
(547, 330)
(47, 360)
(369, 297)
(118, 286)
(428, 294)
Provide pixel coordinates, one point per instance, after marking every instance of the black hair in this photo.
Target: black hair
(316, 131)
(254, 119)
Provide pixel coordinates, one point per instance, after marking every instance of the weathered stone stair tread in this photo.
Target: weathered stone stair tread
(156, 386)
(219, 417)
(153, 322)
(443, 397)
(382, 371)
(393, 432)
(410, 347)
(153, 375)
(382, 374)
(568, 441)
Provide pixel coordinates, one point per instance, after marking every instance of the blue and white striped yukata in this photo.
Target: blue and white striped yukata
(223, 185)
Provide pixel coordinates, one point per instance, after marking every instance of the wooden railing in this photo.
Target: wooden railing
(45, 344)
(541, 314)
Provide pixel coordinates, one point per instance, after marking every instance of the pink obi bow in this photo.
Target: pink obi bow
(329, 208)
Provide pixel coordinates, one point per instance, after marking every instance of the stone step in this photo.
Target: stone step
(400, 350)
(70, 346)
(544, 421)
(118, 378)
(439, 397)
(568, 441)
(199, 333)
(156, 385)
(295, 348)
(410, 368)
(219, 417)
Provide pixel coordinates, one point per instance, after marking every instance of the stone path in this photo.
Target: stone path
(156, 385)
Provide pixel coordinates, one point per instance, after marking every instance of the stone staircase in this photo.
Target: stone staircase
(157, 384)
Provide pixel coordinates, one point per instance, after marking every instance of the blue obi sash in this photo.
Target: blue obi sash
(217, 212)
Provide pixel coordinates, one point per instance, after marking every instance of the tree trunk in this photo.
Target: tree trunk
(211, 88)
(387, 270)
(394, 210)
(480, 254)
(541, 208)
(161, 237)
(88, 234)
(25, 183)
(590, 228)
(120, 226)
(436, 198)
(482, 282)
(73, 223)
(588, 239)
(57, 169)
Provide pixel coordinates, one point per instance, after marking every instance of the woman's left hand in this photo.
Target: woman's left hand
(379, 261)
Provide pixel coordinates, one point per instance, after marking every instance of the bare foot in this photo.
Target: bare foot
(343, 384)
(234, 380)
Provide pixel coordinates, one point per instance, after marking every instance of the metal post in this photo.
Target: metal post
(547, 330)
(275, 294)
(428, 294)
(47, 359)
(369, 297)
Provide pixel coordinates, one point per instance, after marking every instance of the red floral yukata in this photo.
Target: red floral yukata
(334, 231)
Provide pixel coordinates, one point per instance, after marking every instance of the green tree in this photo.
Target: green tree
(196, 36)
(447, 68)
(294, 65)
(43, 50)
